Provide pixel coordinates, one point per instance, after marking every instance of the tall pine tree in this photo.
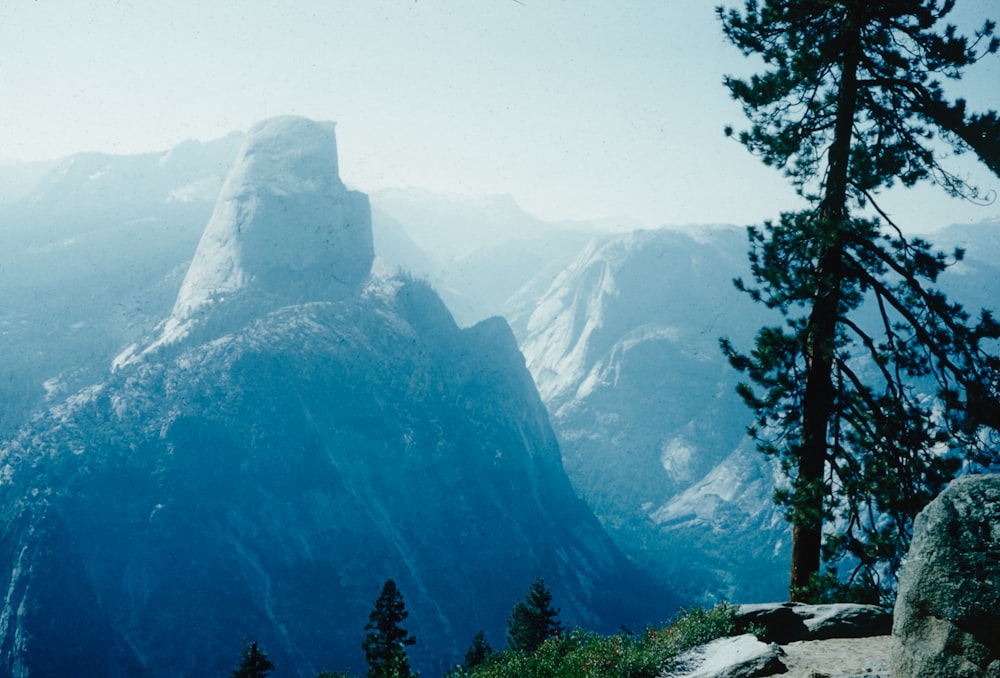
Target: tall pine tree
(851, 101)
(533, 620)
(386, 640)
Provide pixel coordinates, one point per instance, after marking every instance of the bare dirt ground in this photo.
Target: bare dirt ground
(837, 657)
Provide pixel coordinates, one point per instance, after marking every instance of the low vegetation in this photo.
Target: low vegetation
(584, 654)
(553, 651)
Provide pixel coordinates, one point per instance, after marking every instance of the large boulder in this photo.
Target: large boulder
(737, 657)
(789, 622)
(947, 616)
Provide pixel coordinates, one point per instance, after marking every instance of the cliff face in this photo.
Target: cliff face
(284, 230)
(624, 349)
(295, 433)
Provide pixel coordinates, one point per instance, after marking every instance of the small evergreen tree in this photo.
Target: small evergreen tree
(533, 620)
(386, 640)
(479, 651)
(254, 664)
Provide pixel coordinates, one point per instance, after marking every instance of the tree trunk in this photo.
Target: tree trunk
(818, 404)
(819, 399)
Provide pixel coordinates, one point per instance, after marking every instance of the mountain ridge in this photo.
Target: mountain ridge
(262, 476)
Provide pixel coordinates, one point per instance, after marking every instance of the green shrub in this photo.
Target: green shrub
(584, 654)
(697, 626)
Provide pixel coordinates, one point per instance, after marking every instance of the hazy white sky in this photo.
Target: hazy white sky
(578, 108)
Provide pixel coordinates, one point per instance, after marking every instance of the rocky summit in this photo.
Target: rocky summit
(306, 432)
(285, 230)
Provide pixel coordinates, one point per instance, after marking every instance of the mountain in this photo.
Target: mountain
(285, 228)
(620, 334)
(19, 179)
(973, 282)
(93, 248)
(485, 255)
(288, 438)
(624, 349)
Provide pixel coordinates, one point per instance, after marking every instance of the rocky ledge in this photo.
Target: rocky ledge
(946, 620)
(796, 641)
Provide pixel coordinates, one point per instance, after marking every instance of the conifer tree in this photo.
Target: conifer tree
(254, 664)
(386, 640)
(533, 620)
(851, 101)
(479, 651)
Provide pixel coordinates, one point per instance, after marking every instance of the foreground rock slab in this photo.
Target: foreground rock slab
(830, 658)
(838, 658)
(737, 657)
(789, 622)
(947, 616)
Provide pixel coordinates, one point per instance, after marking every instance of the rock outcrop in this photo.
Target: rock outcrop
(789, 622)
(285, 230)
(947, 617)
(797, 641)
(284, 223)
(737, 657)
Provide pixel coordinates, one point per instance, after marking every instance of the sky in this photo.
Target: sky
(579, 109)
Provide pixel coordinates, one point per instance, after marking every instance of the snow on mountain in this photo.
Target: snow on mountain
(261, 477)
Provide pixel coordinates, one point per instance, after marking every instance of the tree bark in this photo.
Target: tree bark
(818, 403)
(819, 399)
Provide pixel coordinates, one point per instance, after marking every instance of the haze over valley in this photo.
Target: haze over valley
(240, 395)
